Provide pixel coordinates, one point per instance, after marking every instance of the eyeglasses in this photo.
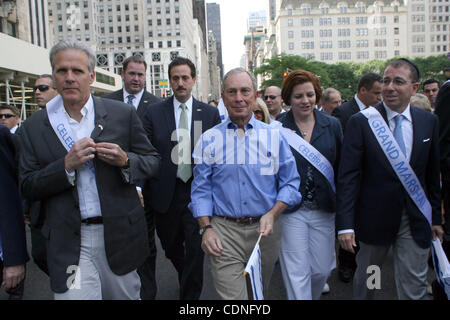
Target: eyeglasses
(42, 87)
(7, 115)
(397, 82)
(272, 97)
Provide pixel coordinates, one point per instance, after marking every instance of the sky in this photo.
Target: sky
(233, 16)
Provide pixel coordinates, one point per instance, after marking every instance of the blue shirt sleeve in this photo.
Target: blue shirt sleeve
(287, 176)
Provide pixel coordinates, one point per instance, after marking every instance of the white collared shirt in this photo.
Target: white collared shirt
(361, 105)
(407, 127)
(14, 129)
(86, 182)
(177, 111)
(136, 101)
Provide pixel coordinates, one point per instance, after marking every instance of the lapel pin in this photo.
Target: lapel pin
(145, 101)
(100, 126)
(198, 110)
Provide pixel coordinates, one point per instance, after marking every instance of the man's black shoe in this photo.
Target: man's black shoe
(345, 274)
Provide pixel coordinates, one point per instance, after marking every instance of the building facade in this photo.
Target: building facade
(26, 38)
(159, 30)
(214, 25)
(334, 31)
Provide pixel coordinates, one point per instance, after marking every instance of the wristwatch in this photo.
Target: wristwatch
(203, 229)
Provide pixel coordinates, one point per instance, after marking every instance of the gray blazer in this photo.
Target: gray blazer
(43, 178)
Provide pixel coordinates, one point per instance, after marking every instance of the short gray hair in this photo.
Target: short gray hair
(239, 70)
(68, 44)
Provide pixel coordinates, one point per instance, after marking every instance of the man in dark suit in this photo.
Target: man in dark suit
(443, 112)
(372, 201)
(13, 249)
(135, 94)
(79, 158)
(369, 94)
(181, 119)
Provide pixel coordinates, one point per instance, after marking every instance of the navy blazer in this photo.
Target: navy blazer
(327, 139)
(371, 198)
(12, 227)
(159, 123)
(345, 111)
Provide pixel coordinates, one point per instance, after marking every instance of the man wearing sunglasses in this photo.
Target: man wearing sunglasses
(44, 90)
(9, 117)
(273, 100)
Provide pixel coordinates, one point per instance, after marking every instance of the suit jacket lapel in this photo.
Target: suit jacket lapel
(170, 118)
(141, 107)
(417, 135)
(321, 123)
(382, 111)
(100, 118)
(54, 144)
(197, 115)
(355, 107)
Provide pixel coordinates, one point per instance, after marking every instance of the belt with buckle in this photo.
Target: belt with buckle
(242, 220)
(93, 220)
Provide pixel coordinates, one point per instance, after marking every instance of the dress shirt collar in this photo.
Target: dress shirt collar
(176, 104)
(391, 114)
(14, 129)
(361, 105)
(86, 111)
(249, 125)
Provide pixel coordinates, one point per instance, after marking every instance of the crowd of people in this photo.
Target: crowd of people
(95, 178)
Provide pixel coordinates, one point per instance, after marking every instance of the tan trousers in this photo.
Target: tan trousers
(238, 241)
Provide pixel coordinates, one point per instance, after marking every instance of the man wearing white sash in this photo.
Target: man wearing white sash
(81, 158)
(388, 187)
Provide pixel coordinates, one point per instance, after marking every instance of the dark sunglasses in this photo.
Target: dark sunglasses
(7, 115)
(257, 112)
(42, 87)
(271, 97)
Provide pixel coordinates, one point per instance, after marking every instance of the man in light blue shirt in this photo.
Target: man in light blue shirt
(245, 176)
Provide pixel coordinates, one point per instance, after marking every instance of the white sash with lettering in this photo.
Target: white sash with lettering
(311, 154)
(398, 161)
(59, 123)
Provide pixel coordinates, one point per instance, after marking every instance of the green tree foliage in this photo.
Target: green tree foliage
(342, 76)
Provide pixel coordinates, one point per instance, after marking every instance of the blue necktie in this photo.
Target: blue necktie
(130, 99)
(398, 133)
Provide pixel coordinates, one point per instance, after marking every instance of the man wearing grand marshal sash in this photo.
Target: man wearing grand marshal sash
(388, 186)
(81, 158)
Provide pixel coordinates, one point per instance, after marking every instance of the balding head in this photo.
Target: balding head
(272, 97)
(331, 98)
